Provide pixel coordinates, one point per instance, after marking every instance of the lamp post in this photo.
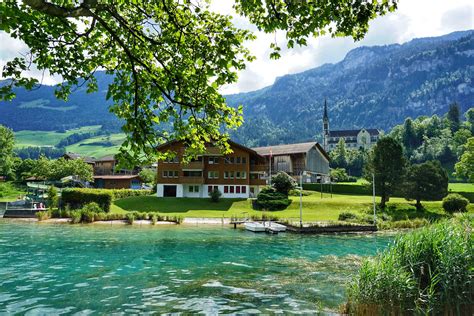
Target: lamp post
(301, 198)
(373, 196)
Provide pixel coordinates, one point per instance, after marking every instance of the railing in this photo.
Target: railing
(262, 168)
(194, 165)
(192, 180)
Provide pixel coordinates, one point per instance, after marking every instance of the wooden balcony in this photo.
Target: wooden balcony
(262, 168)
(192, 180)
(196, 165)
(258, 182)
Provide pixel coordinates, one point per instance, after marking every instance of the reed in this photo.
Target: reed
(427, 271)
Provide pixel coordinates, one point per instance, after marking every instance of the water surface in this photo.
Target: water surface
(50, 269)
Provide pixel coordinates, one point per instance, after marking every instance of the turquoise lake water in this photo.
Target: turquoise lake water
(49, 269)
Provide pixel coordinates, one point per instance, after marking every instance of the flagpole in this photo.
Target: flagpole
(270, 169)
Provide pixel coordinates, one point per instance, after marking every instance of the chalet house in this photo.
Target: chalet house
(105, 175)
(296, 159)
(240, 174)
(353, 138)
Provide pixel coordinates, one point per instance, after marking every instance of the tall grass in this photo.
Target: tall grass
(427, 271)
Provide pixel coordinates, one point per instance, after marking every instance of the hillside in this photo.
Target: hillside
(375, 86)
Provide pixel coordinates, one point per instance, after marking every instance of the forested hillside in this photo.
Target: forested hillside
(374, 87)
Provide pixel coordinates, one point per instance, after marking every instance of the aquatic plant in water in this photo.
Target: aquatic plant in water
(425, 271)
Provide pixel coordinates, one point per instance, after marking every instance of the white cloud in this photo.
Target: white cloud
(414, 18)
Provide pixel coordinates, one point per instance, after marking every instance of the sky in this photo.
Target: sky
(413, 19)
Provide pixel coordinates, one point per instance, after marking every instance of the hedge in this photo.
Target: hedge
(123, 193)
(77, 198)
(338, 188)
(467, 195)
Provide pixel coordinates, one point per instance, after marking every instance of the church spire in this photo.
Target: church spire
(325, 126)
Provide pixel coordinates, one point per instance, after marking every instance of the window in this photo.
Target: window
(175, 174)
(226, 189)
(172, 160)
(226, 174)
(165, 174)
(237, 174)
(237, 159)
(231, 174)
(213, 174)
(253, 176)
(231, 189)
(244, 189)
(194, 189)
(237, 189)
(244, 160)
(243, 175)
(213, 160)
(192, 173)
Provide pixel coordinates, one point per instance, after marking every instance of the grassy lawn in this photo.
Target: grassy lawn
(9, 192)
(461, 187)
(93, 147)
(47, 138)
(314, 208)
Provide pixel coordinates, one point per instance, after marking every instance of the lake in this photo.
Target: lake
(50, 269)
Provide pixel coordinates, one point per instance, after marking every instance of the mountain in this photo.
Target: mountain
(373, 87)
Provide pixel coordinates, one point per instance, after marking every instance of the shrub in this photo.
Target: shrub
(76, 217)
(43, 215)
(283, 183)
(77, 198)
(269, 199)
(427, 271)
(297, 193)
(124, 193)
(100, 216)
(52, 199)
(87, 216)
(130, 218)
(55, 213)
(344, 216)
(153, 219)
(92, 207)
(455, 203)
(215, 195)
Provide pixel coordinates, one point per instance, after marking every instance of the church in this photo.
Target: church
(354, 138)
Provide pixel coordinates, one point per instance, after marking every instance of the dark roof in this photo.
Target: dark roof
(78, 156)
(106, 158)
(353, 132)
(118, 177)
(289, 149)
(164, 145)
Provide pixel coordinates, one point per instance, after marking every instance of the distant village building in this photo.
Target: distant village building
(105, 175)
(354, 139)
(296, 159)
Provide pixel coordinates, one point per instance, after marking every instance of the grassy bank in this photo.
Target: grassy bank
(9, 192)
(314, 208)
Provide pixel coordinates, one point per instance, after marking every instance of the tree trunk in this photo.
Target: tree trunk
(418, 205)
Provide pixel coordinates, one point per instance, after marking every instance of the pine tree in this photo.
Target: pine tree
(454, 117)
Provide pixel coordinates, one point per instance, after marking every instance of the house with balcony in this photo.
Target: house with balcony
(308, 160)
(240, 174)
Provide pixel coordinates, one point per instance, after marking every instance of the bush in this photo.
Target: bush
(427, 271)
(344, 216)
(52, 199)
(76, 217)
(153, 219)
(43, 215)
(283, 183)
(77, 198)
(124, 193)
(340, 188)
(297, 193)
(455, 203)
(92, 207)
(87, 216)
(215, 195)
(271, 200)
(130, 218)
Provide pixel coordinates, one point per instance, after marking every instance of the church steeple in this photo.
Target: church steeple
(325, 126)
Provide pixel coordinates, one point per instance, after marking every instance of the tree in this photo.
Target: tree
(387, 163)
(409, 137)
(339, 175)
(169, 58)
(339, 154)
(454, 117)
(60, 168)
(7, 141)
(465, 166)
(427, 181)
(52, 197)
(470, 119)
(148, 175)
(283, 183)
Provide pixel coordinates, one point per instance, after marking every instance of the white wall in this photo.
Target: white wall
(160, 189)
(182, 190)
(199, 194)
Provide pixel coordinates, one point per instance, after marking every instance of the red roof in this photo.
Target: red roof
(118, 177)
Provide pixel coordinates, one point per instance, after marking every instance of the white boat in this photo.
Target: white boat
(275, 226)
(254, 227)
(265, 226)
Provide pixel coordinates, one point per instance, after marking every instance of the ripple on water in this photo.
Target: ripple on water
(45, 269)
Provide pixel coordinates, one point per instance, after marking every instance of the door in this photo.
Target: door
(169, 190)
